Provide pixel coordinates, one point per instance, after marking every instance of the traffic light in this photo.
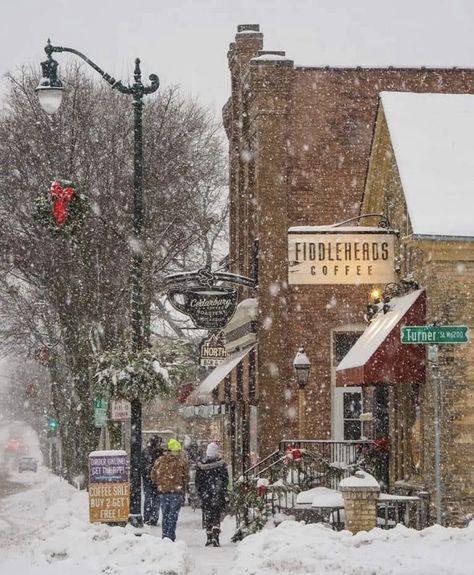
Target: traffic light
(53, 424)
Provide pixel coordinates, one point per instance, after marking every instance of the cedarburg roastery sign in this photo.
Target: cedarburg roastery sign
(205, 296)
(208, 308)
(337, 255)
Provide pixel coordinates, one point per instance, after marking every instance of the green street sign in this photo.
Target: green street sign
(434, 334)
(100, 403)
(100, 412)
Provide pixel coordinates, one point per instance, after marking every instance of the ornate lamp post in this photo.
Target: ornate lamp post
(301, 365)
(50, 91)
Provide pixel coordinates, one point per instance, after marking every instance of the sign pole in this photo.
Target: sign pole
(301, 412)
(433, 355)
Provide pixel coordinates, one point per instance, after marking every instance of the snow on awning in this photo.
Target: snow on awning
(378, 356)
(202, 395)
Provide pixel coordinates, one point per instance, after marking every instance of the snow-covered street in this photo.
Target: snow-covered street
(45, 530)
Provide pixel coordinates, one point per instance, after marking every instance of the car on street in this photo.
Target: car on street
(27, 464)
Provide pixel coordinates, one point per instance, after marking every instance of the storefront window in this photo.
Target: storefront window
(352, 409)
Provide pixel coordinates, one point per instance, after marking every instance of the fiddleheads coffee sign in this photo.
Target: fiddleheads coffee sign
(203, 297)
(338, 255)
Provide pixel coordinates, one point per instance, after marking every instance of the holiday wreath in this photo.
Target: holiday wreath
(62, 209)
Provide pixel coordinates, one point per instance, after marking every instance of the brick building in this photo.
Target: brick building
(299, 146)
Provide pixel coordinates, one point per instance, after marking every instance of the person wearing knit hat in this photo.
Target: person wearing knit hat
(211, 481)
(170, 474)
(174, 446)
(151, 500)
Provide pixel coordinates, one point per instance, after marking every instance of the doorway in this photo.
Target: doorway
(347, 402)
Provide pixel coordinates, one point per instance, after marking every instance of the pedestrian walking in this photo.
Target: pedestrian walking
(170, 474)
(151, 503)
(211, 481)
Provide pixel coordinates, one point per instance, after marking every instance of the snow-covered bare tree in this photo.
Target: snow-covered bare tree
(71, 296)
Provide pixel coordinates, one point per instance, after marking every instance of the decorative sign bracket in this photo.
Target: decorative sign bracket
(383, 222)
(205, 277)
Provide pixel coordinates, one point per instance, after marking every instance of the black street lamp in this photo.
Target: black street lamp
(50, 91)
(301, 365)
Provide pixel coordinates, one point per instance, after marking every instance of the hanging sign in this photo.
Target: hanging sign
(213, 350)
(345, 256)
(208, 308)
(109, 487)
(202, 296)
(120, 410)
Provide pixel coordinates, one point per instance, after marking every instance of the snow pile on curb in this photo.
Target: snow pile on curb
(315, 549)
(46, 530)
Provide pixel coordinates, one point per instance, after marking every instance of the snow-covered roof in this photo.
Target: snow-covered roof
(108, 453)
(432, 137)
(336, 229)
(377, 331)
(277, 57)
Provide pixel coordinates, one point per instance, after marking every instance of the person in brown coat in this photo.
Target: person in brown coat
(170, 474)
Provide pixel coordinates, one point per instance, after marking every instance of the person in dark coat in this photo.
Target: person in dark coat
(211, 482)
(151, 504)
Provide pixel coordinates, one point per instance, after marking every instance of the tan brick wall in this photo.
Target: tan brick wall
(360, 509)
(446, 270)
(451, 302)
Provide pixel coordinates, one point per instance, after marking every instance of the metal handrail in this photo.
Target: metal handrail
(327, 441)
(261, 462)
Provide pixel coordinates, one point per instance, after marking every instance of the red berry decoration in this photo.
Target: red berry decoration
(62, 197)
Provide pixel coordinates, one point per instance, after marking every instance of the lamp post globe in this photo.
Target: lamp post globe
(301, 365)
(50, 98)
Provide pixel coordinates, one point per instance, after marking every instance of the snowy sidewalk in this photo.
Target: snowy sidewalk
(44, 530)
(201, 560)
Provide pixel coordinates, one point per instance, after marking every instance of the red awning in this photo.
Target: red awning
(378, 356)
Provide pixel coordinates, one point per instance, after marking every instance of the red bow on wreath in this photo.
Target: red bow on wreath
(62, 197)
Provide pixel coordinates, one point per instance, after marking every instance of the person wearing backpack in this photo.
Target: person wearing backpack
(170, 474)
(151, 500)
(211, 482)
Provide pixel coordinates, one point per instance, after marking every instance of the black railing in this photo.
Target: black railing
(323, 463)
(331, 461)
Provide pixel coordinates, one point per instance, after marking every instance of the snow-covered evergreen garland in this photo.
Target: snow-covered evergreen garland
(124, 374)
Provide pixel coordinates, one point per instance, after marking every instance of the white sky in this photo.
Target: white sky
(186, 41)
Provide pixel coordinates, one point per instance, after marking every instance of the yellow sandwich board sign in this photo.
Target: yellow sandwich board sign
(109, 487)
